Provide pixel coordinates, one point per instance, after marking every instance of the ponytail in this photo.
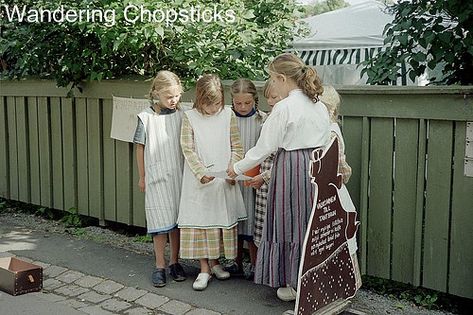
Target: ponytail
(306, 77)
(309, 82)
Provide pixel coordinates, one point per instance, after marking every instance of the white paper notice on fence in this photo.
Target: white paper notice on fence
(124, 117)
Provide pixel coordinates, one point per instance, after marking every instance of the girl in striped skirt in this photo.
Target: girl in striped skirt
(160, 163)
(298, 124)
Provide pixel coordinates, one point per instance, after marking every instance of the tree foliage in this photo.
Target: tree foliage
(319, 7)
(72, 52)
(427, 35)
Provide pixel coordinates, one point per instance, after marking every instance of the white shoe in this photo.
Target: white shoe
(202, 281)
(219, 273)
(287, 294)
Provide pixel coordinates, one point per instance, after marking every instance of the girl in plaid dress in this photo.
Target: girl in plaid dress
(261, 181)
(210, 207)
(250, 119)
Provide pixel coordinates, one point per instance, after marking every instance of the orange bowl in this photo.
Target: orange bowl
(251, 173)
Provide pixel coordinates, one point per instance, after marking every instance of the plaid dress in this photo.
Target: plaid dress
(261, 198)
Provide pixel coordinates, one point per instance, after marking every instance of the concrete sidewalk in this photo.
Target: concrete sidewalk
(84, 277)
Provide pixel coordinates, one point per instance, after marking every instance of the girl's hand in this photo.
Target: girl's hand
(256, 182)
(230, 172)
(141, 184)
(230, 181)
(206, 179)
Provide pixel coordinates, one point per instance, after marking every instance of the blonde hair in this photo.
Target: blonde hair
(331, 99)
(294, 68)
(208, 90)
(246, 86)
(268, 87)
(163, 81)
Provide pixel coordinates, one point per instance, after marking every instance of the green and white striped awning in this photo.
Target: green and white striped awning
(338, 56)
(348, 56)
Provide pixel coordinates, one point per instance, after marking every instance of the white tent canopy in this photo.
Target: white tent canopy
(340, 40)
(356, 26)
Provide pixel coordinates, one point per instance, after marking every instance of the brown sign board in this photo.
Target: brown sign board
(328, 273)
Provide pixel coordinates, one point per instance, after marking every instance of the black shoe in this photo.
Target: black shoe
(159, 277)
(177, 272)
(250, 274)
(235, 270)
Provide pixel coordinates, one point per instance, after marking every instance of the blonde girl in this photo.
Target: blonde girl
(211, 207)
(331, 99)
(160, 164)
(250, 121)
(261, 181)
(298, 124)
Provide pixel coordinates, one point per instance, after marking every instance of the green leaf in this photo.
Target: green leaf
(248, 15)
(160, 31)
(403, 39)
(420, 57)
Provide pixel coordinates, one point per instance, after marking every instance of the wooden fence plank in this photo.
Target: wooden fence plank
(33, 139)
(124, 181)
(460, 280)
(437, 205)
(109, 166)
(4, 152)
(68, 153)
(95, 158)
(12, 148)
(22, 147)
(419, 204)
(404, 213)
(380, 205)
(364, 188)
(56, 149)
(352, 134)
(139, 217)
(44, 133)
(82, 160)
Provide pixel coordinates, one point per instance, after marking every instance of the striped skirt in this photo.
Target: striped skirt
(290, 200)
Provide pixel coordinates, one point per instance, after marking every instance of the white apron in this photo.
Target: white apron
(216, 204)
(250, 129)
(163, 169)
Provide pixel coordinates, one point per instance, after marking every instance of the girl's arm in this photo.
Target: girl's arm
(188, 149)
(271, 138)
(140, 161)
(140, 141)
(235, 141)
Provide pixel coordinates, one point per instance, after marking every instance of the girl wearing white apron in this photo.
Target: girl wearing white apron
(160, 164)
(210, 206)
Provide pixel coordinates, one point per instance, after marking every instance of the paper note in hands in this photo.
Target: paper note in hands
(223, 174)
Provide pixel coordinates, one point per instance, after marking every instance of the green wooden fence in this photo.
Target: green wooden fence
(406, 146)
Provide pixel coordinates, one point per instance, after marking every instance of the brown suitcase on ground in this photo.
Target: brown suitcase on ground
(19, 277)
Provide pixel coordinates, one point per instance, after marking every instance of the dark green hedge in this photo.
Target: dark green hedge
(118, 46)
